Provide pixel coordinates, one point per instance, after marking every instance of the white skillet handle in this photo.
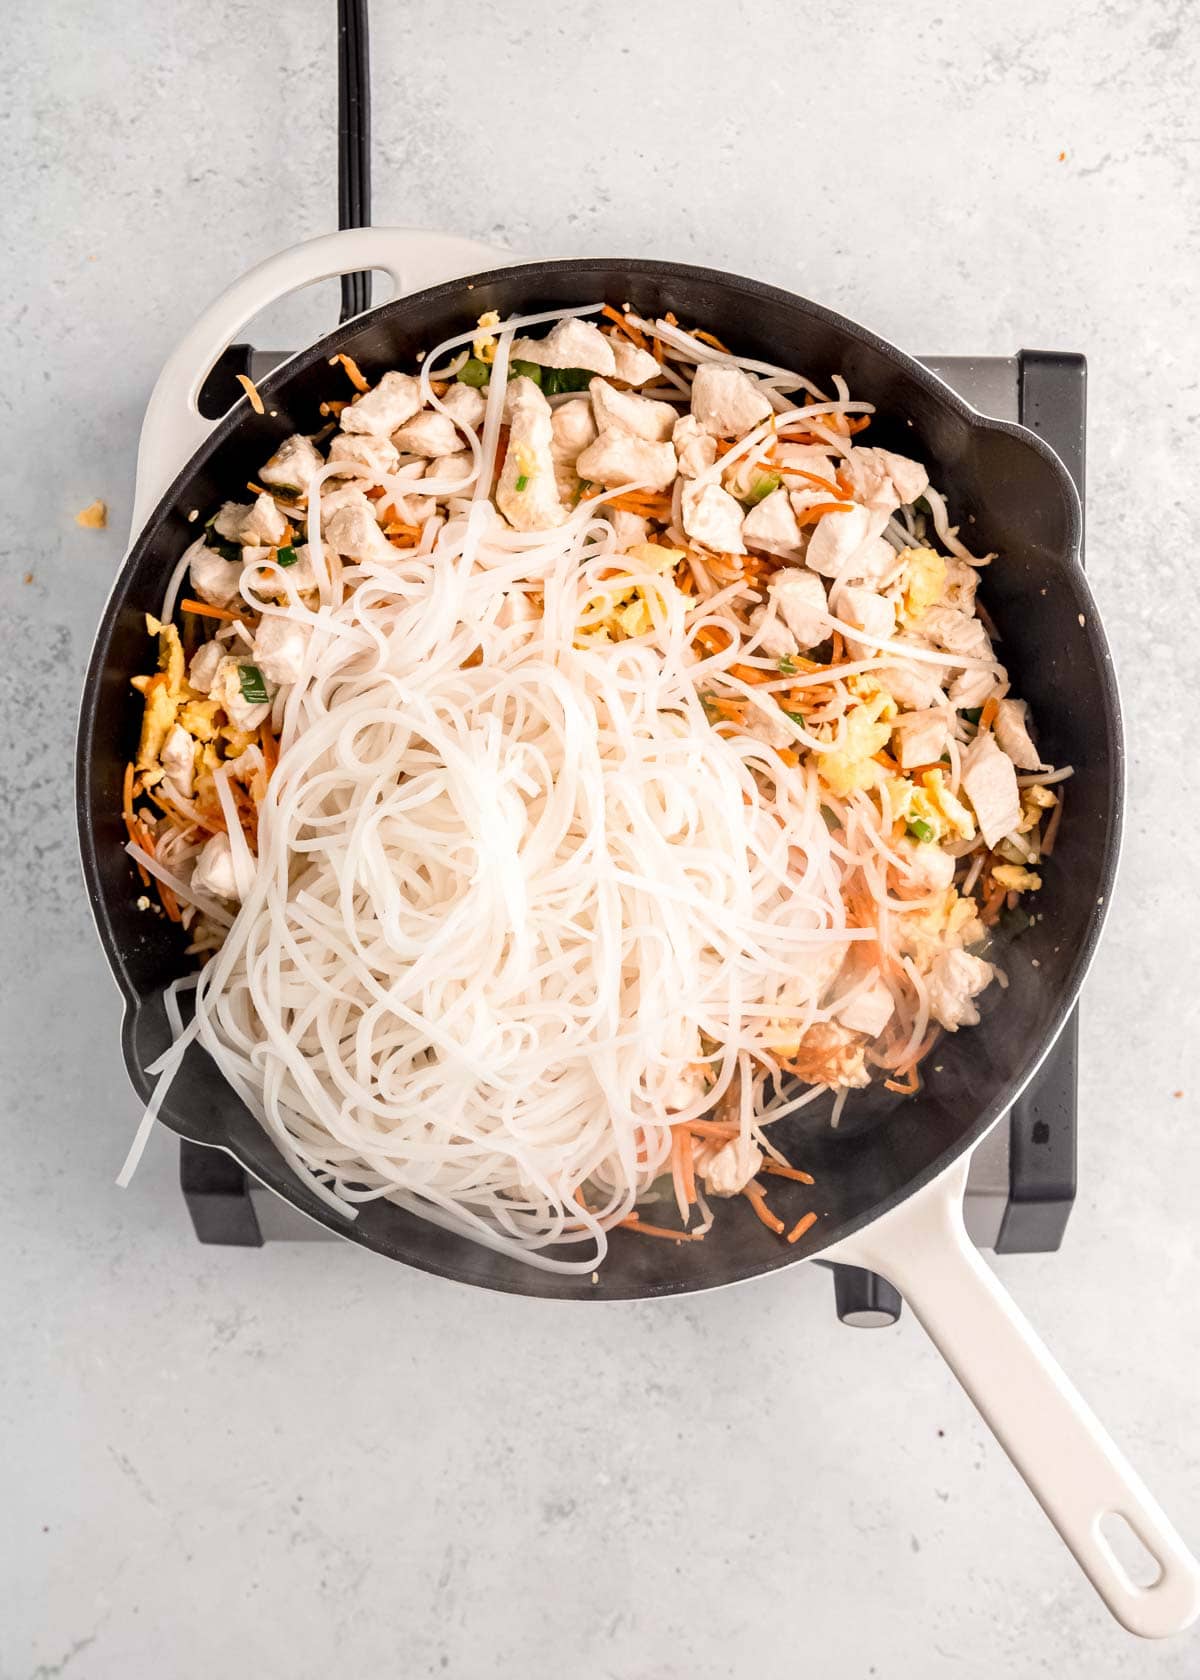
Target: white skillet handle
(1054, 1439)
(174, 428)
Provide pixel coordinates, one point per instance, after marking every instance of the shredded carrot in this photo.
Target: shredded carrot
(634, 1223)
(835, 490)
(789, 756)
(990, 913)
(801, 1225)
(708, 338)
(134, 831)
(778, 1170)
(127, 793)
(251, 390)
(907, 1087)
(270, 747)
(181, 819)
(1052, 827)
(333, 408)
(635, 334)
(203, 610)
(812, 514)
(856, 422)
(353, 371)
(713, 1129)
(750, 674)
(756, 1196)
(888, 762)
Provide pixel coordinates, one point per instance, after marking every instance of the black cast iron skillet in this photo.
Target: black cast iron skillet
(1006, 490)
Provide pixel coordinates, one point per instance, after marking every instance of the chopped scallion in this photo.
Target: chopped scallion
(973, 714)
(796, 717)
(525, 370)
(557, 380)
(921, 830)
(287, 556)
(762, 488)
(254, 688)
(227, 550)
(474, 372)
(523, 481)
(787, 665)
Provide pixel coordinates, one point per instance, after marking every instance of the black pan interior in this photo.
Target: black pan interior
(1010, 494)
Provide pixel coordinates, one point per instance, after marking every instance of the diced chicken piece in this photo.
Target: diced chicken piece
(775, 639)
(848, 545)
(279, 648)
(617, 458)
(264, 524)
(395, 399)
(712, 517)
(572, 430)
(527, 494)
(292, 465)
(867, 611)
(728, 1170)
(771, 525)
(178, 759)
(870, 1011)
(428, 433)
(689, 1083)
(624, 411)
(956, 632)
(227, 691)
(990, 783)
(629, 529)
(634, 366)
(568, 344)
(771, 726)
(695, 448)
(214, 873)
(972, 688)
(354, 532)
(799, 597)
(812, 459)
(379, 454)
(962, 581)
(727, 401)
(212, 578)
(911, 684)
(927, 866)
(451, 467)
(465, 405)
(228, 520)
(882, 480)
(920, 737)
(202, 672)
(1012, 734)
(830, 1054)
(956, 978)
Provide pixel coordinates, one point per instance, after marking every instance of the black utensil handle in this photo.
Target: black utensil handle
(864, 1300)
(354, 141)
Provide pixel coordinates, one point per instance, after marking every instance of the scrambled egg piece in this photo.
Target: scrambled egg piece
(1015, 878)
(164, 694)
(951, 921)
(199, 718)
(867, 729)
(613, 617)
(483, 345)
(94, 517)
(921, 584)
(933, 803)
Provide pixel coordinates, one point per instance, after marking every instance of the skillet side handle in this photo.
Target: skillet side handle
(1072, 1467)
(174, 428)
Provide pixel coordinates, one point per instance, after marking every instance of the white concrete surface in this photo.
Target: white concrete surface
(302, 1461)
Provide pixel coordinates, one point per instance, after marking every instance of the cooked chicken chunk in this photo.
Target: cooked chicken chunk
(920, 737)
(1012, 734)
(227, 692)
(214, 873)
(623, 411)
(728, 1170)
(213, 578)
(799, 598)
(634, 366)
(771, 525)
(395, 399)
(956, 978)
(428, 433)
(292, 465)
(848, 545)
(279, 648)
(867, 611)
(882, 480)
(378, 454)
(695, 448)
(870, 1011)
(726, 401)
(712, 517)
(527, 494)
(354, 532)
(617, 458)
(569, 344)
(990, 783)
(465, 405)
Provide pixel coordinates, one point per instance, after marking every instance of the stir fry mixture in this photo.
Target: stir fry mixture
(584, 751)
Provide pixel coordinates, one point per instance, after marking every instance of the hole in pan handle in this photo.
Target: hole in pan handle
(1072, 1467)
(174, 427)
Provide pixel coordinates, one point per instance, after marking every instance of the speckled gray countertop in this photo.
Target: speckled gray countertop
(301, 1461)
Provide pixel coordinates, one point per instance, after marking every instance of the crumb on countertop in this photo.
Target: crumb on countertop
(94, 517)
